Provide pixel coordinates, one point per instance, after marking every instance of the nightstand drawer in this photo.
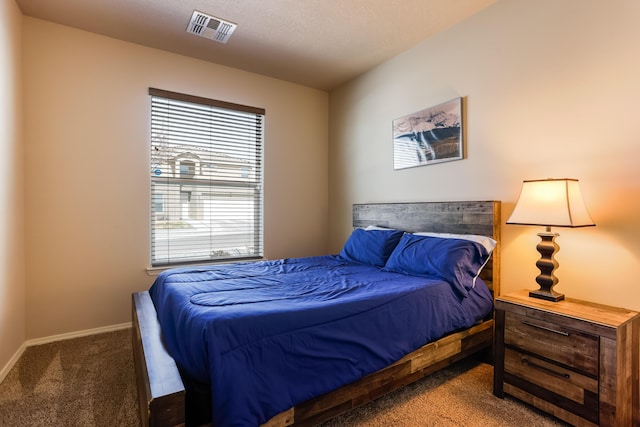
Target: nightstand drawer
(553, 341)
(567, 389)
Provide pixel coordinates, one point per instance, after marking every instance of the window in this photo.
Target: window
(206, 179)
(187, 169)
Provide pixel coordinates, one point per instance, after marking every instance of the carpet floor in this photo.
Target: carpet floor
(90, 381)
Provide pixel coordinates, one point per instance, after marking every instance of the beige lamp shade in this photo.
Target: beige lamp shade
(551, 202)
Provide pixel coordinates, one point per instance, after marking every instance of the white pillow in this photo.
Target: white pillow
(486, 241)
(375, 227)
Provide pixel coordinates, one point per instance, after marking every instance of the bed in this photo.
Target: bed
(333, 336)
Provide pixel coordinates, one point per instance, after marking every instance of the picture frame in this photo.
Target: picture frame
(432, 135)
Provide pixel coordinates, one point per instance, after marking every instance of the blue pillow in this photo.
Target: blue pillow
(371, 247)
(456, 261)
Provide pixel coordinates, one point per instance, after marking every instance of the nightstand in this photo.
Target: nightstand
(576, 360)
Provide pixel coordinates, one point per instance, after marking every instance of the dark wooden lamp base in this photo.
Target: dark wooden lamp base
(547, 264)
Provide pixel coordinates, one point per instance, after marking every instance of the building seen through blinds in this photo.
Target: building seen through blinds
(206, 179)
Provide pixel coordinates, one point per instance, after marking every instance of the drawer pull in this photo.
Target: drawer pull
(555, 331)
(527, 362)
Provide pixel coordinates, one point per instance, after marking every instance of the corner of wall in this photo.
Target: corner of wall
(12, 255)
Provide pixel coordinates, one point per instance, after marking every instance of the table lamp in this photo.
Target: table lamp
(550, 203)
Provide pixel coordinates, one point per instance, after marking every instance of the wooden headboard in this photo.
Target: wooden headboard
(482, 218)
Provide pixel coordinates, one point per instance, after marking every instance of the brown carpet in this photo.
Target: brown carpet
(87, 381)
(90, 381)
(459, 395)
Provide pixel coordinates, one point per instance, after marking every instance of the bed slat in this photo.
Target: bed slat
(442, 217)
(160, 388)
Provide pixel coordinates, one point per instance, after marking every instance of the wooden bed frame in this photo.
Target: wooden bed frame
(161, 390)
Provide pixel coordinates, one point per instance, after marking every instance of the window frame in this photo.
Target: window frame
(251, 190)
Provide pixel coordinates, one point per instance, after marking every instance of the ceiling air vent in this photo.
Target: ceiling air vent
(210, 27)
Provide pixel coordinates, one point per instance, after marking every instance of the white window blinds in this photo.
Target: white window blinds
(206, 179)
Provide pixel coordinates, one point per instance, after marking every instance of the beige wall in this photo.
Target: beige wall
(87, 162)
(12, 280)
(551, 90)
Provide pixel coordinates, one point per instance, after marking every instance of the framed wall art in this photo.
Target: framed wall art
(432, 135)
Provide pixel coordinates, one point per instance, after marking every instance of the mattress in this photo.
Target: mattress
(269, 335)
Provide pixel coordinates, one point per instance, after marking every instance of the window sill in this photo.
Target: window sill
(155, 270)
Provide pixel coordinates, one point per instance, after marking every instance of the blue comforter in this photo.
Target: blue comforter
(270, 335)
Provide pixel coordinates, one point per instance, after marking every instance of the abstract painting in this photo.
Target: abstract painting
(432, 135)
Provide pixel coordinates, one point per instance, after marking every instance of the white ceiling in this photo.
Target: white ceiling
(316, 43)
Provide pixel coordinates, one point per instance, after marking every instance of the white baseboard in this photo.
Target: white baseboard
(70, 335)
(12, 361)
(53, 338)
